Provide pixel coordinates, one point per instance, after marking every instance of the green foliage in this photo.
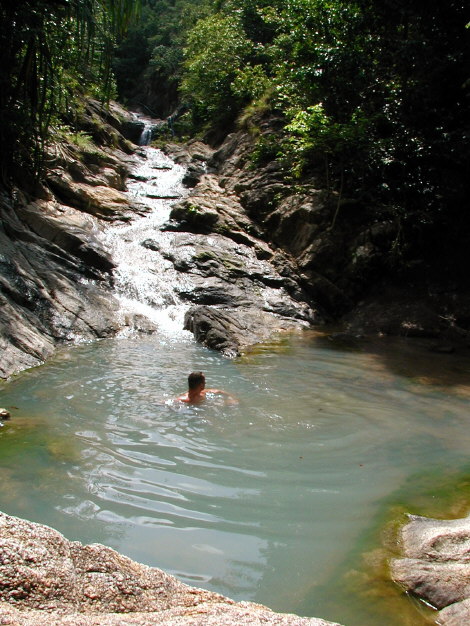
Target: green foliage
(266, 149)
(149, 60)
(250, 83)
(311, 133)
(216, 49)
(49, 52)
(372, 95)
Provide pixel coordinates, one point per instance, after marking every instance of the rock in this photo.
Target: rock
(442, 348)
(231, 330)
(99, 200)
(105, 123)
(436, 565)
(222, 272)
(457, 614)
(342, 246)
(46, 579)
(345, 340)
(194, 152)
(69, 229)
(47, 251)
(132, 130)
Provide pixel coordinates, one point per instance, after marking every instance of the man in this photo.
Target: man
(197, 390)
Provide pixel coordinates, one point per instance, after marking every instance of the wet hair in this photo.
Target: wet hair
(195, 379)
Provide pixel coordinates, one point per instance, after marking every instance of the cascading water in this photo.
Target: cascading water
(145, 282)
(146, 136)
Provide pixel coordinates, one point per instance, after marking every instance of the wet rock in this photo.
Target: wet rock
(194, 173)
(194, 152)
(436, 565)
(210, 291)
(393, 311)
(231, 330)
(70, 230)
(100, 201)
(209, 209)
(46, 579)
(132, 129)
(150, 244)
(346, 340)
(442, 348)
(105, 123)
(159, 196)
(47, 251)
(190, 217)
(223, 272)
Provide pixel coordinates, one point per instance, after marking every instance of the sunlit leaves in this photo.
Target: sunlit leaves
(217, 47)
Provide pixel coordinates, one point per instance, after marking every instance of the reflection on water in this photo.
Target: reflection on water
(268, 500)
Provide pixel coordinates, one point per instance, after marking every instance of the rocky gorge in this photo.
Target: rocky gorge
(57, 279)
(261, 257)
(262, 254)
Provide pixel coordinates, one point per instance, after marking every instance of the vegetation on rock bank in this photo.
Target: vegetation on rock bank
(364, 100)
(371, 99)
(52, 53)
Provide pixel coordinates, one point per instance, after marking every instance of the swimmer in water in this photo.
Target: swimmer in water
(197, 390)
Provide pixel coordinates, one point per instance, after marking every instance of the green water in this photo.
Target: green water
(275, 500)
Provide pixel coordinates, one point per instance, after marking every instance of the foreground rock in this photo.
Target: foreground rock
(46, 579)
(436, 566)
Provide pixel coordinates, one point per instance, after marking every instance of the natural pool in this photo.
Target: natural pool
(273, 500)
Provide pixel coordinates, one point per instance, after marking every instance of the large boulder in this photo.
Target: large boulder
(46, 579)
(230, 330)
(435, 566)
(49, 254)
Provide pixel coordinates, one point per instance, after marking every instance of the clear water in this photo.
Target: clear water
(267, 500)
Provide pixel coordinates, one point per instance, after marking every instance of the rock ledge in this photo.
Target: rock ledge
(46, 580)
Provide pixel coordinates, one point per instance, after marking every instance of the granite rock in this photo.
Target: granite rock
(46, 579)
(435, 566)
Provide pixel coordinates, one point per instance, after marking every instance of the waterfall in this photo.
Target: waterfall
(146, 136)
(145, 281)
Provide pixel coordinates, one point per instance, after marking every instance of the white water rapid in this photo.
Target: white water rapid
(144, 279)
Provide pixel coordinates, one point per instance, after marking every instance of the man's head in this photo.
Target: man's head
(195, 379)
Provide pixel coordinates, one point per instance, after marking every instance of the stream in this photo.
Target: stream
(278, 499)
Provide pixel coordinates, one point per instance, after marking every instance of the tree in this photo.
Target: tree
(49, 51)
(216, 48)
